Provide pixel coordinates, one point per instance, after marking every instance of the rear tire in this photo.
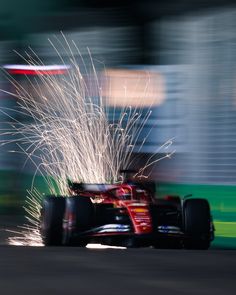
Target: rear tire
(53, 209)
(197, 218)
(82, 210)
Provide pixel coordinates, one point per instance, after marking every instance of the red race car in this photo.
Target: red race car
(127, 215)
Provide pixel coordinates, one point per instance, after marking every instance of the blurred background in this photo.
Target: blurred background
(188, 47)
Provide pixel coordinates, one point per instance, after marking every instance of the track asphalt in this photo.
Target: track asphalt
(73, 270)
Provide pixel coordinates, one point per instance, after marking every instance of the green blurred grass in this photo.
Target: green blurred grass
(225, 229)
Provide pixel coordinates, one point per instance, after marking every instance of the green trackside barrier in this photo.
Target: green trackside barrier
(10, 199)
(222, 200)
(13, 191)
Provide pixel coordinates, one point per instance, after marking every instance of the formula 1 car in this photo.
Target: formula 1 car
(127, 215)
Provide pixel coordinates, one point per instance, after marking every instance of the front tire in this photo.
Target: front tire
(197, 218)
(53, 209)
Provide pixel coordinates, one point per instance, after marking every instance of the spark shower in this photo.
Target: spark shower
(73, 134)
